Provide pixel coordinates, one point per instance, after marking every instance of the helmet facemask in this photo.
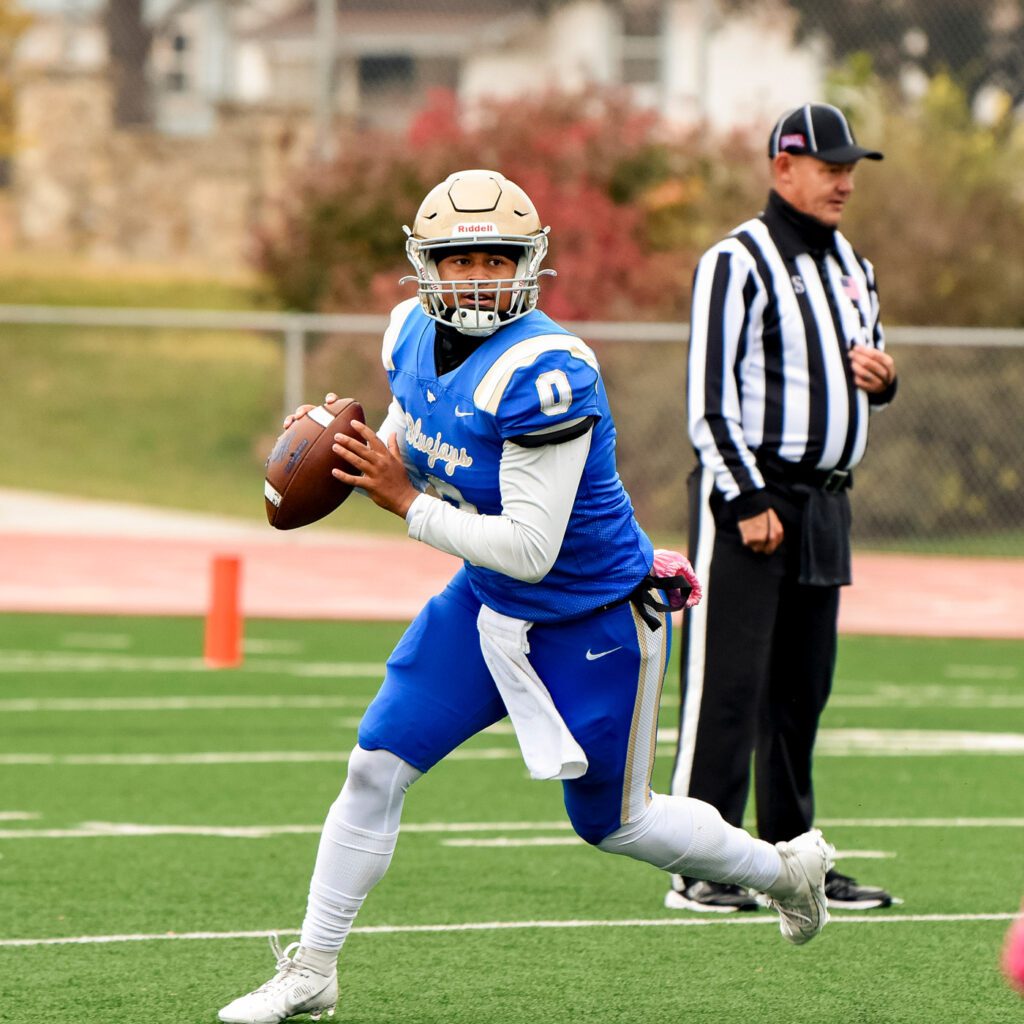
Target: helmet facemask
(477, 211)
(462, 303)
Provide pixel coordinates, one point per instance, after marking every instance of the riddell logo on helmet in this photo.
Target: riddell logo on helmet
(476, 229)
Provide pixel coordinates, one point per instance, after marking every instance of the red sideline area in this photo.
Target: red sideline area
(64, 555)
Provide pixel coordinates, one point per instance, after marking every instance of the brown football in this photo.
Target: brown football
(299, 489)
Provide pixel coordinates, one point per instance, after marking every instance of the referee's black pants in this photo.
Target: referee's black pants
(757, 658)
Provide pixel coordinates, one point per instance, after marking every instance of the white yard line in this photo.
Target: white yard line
(502, 842)
(980, 671)
(920, 822)
(97, 641)
(490, 926)
(108, 829)
(234, 757)
(234, 703)
(961, 701)
(255, 645)
(882, 694)
(904, 742)
(122, 830)
(508, 842)
(65, 662)
(831, 743)
(915, 742)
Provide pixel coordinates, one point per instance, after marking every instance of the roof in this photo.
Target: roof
(434, 27)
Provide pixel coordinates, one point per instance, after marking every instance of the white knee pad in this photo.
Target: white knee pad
(375, 789)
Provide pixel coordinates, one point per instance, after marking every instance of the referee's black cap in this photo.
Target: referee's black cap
(819, 130)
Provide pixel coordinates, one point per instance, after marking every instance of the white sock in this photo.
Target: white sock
(355, 846)
(349, 863)
(325, 963)
(689, 837)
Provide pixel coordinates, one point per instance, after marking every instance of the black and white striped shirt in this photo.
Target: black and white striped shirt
(776, 307)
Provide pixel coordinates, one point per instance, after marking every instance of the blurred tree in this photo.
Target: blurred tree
(632, 204)
(13, 23)
(587, 160)
(942, 217)
(978, 42)
(129, 39)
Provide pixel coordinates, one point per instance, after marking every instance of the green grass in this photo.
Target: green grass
(995, 545)
(866, 968)
(33, 281)
(172, 418)
(165, 417)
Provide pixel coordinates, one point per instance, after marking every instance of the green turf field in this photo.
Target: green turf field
(172, 810)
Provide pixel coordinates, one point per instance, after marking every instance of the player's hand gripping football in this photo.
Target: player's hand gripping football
(383, 473)
(383, 478)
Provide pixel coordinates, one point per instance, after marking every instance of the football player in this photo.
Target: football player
(499, 447)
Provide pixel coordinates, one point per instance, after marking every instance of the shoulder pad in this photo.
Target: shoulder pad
(491, 389)
(398, 317)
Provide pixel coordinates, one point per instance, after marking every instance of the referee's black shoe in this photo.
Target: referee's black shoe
(843, 893)
(708, 897)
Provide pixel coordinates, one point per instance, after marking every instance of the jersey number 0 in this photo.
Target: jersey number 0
(554, 392)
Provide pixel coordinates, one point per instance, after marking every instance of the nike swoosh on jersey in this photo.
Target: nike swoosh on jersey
(463, 412)
(591, 656)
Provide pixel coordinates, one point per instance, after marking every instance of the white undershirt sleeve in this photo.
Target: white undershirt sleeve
(538, 488)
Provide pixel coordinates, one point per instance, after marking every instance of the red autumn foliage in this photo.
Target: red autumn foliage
(336, 242)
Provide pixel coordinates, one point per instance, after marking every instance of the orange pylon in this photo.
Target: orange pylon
(223, 644)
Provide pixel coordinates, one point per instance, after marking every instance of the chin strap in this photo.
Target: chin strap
(477, 323)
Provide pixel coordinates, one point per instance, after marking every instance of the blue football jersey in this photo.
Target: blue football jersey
(530, 375)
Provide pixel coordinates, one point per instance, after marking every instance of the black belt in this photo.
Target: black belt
(831, 480)
(646, 604)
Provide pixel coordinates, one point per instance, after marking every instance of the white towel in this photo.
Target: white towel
(549, 750)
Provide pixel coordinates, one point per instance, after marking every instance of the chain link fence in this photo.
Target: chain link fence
(943, 473)
(193, 399)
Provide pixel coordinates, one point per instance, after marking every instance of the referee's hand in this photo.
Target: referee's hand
(873, 370)
(761, 533)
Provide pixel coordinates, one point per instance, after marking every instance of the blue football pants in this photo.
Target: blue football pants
(604, 674)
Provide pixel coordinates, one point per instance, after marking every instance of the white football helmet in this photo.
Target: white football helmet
(479, 210)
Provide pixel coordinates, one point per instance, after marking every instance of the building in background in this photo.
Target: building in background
(681, 57)
(152, 129)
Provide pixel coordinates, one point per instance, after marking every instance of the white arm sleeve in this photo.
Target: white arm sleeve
(538, 488)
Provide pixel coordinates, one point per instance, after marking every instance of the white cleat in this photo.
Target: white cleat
(799, 893)
(296, 988)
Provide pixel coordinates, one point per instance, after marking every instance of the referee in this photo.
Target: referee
(786, 363)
